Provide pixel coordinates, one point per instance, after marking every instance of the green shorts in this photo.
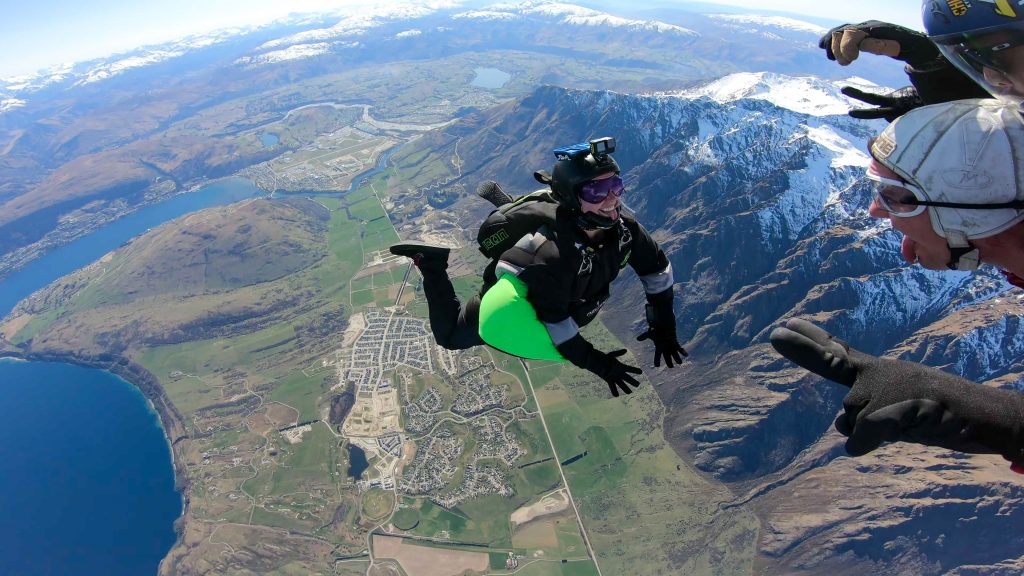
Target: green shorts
(509, 323)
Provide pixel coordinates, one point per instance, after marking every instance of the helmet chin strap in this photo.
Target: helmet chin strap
(963, 256)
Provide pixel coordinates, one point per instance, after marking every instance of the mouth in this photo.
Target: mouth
(612, 213)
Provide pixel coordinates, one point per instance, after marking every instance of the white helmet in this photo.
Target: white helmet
(967, 157)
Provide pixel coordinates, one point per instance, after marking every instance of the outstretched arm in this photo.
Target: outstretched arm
(893, 400)
(934, 79)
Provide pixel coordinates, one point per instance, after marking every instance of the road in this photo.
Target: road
(558, 461)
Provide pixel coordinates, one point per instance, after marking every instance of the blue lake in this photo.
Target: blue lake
(490, 78)
(269, 139)
(86, 477)
(90, 248)
(85, 474)
(357, 463)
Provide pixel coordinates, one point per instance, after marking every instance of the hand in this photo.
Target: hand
(618, 375)
(665, 346)
(890, 106)
(845, 43)
(892, 400)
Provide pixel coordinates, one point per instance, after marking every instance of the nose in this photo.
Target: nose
(876, 210)
(995, 77)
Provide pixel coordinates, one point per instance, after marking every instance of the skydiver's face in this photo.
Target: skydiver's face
(920, 242)
(609, 206)
(1007, 72)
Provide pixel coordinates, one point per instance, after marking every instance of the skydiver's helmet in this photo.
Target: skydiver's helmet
(576, 165)
(966, 158)
(980, 38)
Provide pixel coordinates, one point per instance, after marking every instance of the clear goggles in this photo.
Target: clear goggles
(595, 191)
(897, 197)
(904, 199)
(988, 59)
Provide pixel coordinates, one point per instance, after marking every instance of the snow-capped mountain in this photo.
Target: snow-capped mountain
(754, 186)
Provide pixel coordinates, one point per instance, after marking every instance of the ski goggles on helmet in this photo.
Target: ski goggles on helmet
(993, 56)
(595, 191)
(904, 199)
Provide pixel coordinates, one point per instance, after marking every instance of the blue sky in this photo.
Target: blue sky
(36, 34)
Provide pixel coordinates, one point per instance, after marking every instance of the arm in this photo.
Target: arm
(934, 79)
(892, 400)
(655, 272)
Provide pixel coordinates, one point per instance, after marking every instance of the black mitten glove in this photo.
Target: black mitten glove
(889, 106)
(661, 329)
(606, 365)
(893, 400)
(845, 43)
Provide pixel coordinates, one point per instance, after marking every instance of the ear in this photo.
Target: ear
(542, 177)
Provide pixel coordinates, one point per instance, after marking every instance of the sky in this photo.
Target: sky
(37, 34)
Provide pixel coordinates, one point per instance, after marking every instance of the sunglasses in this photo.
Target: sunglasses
(595, 191)
(904, 199)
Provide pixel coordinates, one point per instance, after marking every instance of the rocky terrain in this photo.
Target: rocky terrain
(754, 187)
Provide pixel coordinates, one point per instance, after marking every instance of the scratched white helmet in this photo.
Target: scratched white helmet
(964, 152)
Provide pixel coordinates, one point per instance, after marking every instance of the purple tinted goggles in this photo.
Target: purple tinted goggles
(595, 191)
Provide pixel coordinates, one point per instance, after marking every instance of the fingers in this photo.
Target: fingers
(881, 47)
(812, 355)
(812, 331)
(846, 45)
(867, 97)
(644, 336)
(888, 114)
(617, 353)
(871, 428)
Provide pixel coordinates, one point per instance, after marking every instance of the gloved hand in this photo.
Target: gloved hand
(893, 400)
(661, 329)
(845, 43)
(606, 365)
(890, 106)
(617, 374)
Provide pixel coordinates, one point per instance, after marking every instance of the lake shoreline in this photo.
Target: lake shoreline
(47, 244)
(171, 421)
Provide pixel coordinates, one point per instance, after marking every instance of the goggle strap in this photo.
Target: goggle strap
(1015, 204)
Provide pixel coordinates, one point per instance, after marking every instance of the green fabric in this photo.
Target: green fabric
(509, 323)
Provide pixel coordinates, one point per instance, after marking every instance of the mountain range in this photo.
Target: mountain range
(752, 181)
(754, 186)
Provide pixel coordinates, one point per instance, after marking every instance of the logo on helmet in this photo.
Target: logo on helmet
(1003, 8)
(967, 179)
(883, 146)
(957, 7)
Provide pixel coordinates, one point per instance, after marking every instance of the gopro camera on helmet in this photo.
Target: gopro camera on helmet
(602, 147)
(599, 148)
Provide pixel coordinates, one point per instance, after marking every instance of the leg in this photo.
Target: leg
(454, 325)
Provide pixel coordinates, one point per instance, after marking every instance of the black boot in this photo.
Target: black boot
(422, 254)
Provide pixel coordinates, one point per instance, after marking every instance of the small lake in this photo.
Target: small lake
(269, 139)
(490, 78)
(357, 463)
(85, 474)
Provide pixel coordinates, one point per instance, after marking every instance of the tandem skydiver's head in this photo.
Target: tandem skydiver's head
(983, 39)
(950, 177)
(585, 178)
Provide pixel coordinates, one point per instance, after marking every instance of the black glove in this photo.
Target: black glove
(890, 106)
(606, 365)
(844, 43)
(893, 400)
(661, 329)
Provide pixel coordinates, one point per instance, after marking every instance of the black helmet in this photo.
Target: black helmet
(575, 165)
